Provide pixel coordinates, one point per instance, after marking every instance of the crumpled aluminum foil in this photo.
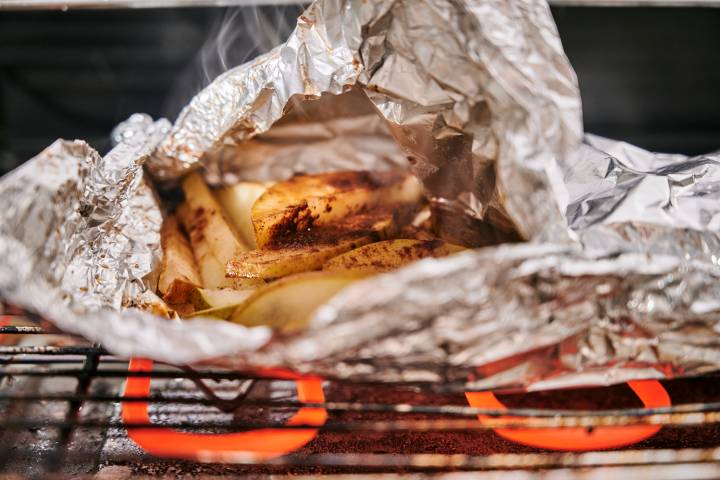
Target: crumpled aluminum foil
(457, 82)
(80, 236)
(330, 133)
(528, 315)
(624, 198)
(82, 216)
(617, 281)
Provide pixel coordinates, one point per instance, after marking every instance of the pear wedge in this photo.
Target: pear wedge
(310, 249)
(237, 202)
(277, 263)
(211, 237)
(290, 302)
(388, 255)
(207, 298)
(310, 201)
(179, 275)
(209, 221)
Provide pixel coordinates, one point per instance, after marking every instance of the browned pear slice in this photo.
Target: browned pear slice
(310, 249)
(311, 201)
(212, 236)
(389, 255)
(179, 275)
(207, 298)
(276, 263)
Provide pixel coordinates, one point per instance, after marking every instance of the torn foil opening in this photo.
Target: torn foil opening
(616, 278)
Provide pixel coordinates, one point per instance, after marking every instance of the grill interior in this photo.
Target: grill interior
(62, 412)
(647, 75)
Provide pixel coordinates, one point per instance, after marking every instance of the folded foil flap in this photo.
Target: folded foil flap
(624, 198)
(479, 96)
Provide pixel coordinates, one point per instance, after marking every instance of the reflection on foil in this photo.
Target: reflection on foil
(334, 132)
(479, 100)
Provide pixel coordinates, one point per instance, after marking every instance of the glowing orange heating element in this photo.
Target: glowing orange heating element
(5, 320)
(650, 392)
(253, 445)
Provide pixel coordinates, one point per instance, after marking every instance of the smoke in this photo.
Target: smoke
(236, 35)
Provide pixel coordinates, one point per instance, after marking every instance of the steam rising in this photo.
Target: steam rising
(237, 34)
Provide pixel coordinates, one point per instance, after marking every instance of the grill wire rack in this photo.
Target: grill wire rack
(61, 403)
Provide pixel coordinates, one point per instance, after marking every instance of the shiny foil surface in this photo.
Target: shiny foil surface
(624, 198)
(616, 278)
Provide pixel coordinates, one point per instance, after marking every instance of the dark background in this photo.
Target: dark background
(650, 76)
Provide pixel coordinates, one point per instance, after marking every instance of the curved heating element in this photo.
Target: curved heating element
(267, 443)
(254, 445)
(4, 321)
(650, 392)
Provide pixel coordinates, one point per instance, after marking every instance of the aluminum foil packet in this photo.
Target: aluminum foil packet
(615, 279)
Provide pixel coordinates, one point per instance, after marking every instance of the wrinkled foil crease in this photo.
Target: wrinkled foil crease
(90, 223)
(331, 133)
(130, 332)
(319, 57)
(624, 198)
(617, 282)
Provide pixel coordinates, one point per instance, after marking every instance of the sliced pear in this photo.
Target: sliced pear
(310, 249)
(308, 201)
(272, 264)
(179, 275)
(212, 272)
(209, 221)
(214, 240)
(206, 298)
(389, 255)
(237, 202)
(288, 303)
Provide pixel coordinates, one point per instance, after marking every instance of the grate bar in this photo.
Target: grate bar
(116, 373)
(454, 418)
(457, 410)
(53, 361)
(503, 461)
(500, 461)
(21, 330)
(55, 457)
(52, 350)
(400, 425)
(216, 375)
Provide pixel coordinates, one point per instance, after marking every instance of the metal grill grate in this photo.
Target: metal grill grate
(61, 412)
